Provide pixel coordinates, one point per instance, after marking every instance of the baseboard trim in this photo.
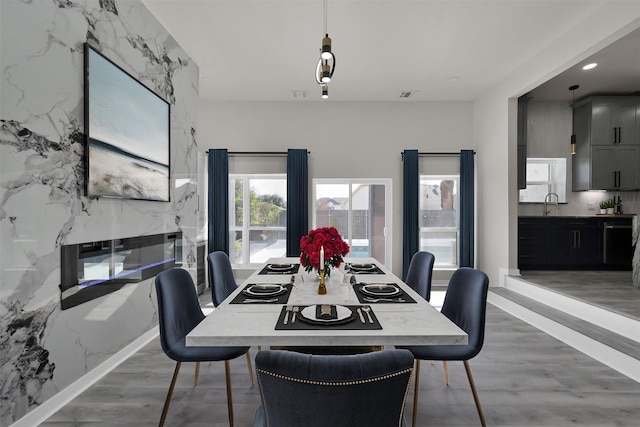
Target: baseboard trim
(55, 403)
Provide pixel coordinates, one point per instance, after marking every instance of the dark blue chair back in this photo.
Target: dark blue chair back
(221, 278)
(178, 310)
(419, 273)
(465, 303)
(366, 390)
(178, 313)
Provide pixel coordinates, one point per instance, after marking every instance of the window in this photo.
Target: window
(361, 211)
(257, 217)
(440, 218)
(544, 176)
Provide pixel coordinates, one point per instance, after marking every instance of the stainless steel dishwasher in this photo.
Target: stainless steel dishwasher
(618, 247)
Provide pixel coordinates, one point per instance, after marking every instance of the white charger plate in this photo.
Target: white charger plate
(342, 312)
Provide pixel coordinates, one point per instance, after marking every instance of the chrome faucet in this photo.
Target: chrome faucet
(547, 200)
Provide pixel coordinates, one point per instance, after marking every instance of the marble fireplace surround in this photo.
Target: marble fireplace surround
(90, 270)
(44, 350)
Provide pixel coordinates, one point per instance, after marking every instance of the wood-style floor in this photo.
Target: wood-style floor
(524, 378)
(612, 290)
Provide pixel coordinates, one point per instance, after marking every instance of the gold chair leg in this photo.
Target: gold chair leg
(250, 368)
(475, 392)
(227, 374)
(167, 400)
(195, 375)
(445, 368)
(416, 383)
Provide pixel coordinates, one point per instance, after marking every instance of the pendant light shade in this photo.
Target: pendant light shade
(327, 62)
(326, 48)
(573, 121)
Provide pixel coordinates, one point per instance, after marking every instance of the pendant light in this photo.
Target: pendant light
(327, 61)
(325, 91)
(573, 121)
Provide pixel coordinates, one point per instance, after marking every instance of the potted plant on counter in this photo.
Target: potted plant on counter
(611, 206)
(603, 207)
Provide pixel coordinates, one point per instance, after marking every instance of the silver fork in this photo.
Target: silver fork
(368, 299)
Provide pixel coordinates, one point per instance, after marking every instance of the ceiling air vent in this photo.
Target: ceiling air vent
(407, 94)
(299, 94)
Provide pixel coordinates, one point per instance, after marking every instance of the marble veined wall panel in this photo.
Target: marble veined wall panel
(42, 204)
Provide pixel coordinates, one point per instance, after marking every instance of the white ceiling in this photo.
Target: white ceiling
(262, 50)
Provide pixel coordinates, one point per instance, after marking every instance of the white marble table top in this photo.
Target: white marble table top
(254, 324)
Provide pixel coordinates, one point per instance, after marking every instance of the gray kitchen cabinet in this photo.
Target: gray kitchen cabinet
(615, 167)
(522, 142)
(608, 143)
(613, 120)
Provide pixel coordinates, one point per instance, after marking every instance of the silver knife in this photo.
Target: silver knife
(361, 315)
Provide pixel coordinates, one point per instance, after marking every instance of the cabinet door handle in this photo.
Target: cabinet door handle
(578, 239)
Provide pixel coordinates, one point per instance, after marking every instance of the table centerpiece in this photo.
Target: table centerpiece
(325, 240)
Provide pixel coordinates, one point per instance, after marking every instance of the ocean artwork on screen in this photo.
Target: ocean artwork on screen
(128, 134)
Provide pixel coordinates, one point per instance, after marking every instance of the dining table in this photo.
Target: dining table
(365, 305)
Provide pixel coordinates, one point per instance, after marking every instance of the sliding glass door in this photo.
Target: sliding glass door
(361, 211)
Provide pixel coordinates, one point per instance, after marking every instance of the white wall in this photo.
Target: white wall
(346, 139)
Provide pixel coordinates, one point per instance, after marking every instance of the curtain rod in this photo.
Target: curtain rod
(443, 154)
(258, 153)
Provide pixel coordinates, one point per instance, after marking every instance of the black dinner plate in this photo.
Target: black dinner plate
(362, 267)
(380, 290)
(279, 267)
(264, 290)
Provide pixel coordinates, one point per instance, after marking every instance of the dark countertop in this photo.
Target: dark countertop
(580, 216)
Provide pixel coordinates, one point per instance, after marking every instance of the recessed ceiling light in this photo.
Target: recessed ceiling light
(453, 79)
(590, 66)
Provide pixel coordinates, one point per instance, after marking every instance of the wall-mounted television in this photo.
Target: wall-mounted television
(127, 129)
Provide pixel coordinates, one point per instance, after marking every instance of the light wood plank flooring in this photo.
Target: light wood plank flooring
(524, 378)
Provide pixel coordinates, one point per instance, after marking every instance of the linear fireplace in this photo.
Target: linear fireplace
(93, 269)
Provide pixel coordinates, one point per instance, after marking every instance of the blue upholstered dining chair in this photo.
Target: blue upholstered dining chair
(222, 284)
(465, 304)
(304, 390)
(179, 312)
(221, 278)
(419, 273)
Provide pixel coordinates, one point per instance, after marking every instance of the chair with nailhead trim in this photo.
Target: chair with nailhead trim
(363, 390)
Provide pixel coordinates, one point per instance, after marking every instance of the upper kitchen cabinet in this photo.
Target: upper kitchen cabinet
(607, 132)
(522, 142)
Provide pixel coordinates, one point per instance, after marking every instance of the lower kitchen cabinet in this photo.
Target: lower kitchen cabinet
(564, 243)
(573, 243)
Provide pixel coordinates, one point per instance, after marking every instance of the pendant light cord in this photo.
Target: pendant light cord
(325, 16)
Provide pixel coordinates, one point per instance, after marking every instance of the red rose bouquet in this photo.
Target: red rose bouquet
(334, 249)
